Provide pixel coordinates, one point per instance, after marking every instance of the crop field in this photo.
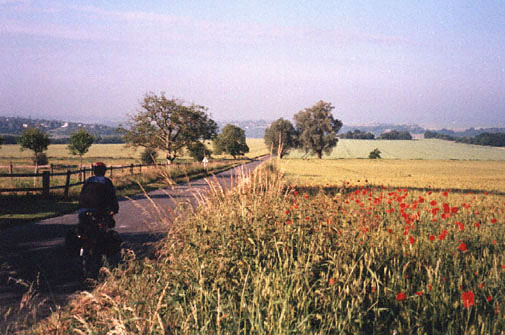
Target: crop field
(462, 175)
(425, 149)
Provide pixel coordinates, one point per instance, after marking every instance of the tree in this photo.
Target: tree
(317, 129)
(80, 142)
(281, 136)
(395, 135)
(1, 141)
(168, 125)
(36, 140)
(231, 140)
(149, 156)
(198, 151)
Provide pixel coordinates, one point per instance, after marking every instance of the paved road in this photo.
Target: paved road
(35, 252)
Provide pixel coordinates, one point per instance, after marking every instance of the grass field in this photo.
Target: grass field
(425, 149)
(109, 153)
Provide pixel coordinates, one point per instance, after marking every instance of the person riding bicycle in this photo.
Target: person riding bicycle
(98, 196)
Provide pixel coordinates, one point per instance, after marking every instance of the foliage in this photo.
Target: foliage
(317, 129)
(375, 154)
(34, 139)
(40, 159)
(1, 141)
(80, 142)
(198, 151)
(395, 135)
(232, 141)
(168, 125)
(269, 259)
(358, 135)
(284, 131)
(149, 156)
(433, 134)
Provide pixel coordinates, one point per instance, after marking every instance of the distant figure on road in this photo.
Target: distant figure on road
(98, 194)
(205, 161)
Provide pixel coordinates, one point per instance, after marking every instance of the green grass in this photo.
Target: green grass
(425, 149)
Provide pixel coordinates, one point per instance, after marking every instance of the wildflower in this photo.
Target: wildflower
(420, 293)
(432, 238)
(494, 242)
(401, 296)
(477, 225)
(443, 235)
(289, 222)
(412, 240)
(489, 298)
(306, 196)
(468, 299)
(332, 281)
(446, 194)
(430, 287)
(494, 221)
(481, 285)
(433, 202)
(462, 247)
(287, 212)
(374, 289)
(390, 230)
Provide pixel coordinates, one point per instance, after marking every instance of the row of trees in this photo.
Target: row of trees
(315, 133)
(489, 139)
(168, 125)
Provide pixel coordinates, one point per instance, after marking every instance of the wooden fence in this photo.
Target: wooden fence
(47, 176)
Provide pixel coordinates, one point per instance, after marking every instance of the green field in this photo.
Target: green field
(414, 149)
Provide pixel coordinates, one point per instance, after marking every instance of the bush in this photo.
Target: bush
(198, 151)
(149, 156)
(375, 154)
(40, 159)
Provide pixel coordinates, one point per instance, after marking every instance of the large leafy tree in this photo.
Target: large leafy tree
(317, 129)
(36, 140)
(80, 142)
(168, 125)
(281, 137)
(231, 140)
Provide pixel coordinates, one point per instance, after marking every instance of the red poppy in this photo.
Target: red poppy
(433, 202)
(332, 281)
(468, 299)
(373, 289)
(430, 287)
(401, 296)
(481, 285)
(443, 235)
(494, 242)
(489, 298)
(477, 225)
(462, 246)
(412, 240)
(306, 196)
(432, 238)
(503, 266)
(287, 212)
(446, 194)
(494, 221)
(390, 230)
(420, 293)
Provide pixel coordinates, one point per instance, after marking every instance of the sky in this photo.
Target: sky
(431, 62)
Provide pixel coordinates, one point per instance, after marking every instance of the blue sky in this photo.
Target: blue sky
(435, 63)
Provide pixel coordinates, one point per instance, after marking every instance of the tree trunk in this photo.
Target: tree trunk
(320, 154)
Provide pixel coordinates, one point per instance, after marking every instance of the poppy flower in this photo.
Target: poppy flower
(477, 225)
(433, 202)
(401, 296)
(430, 287)
(432, 238)
(489, 298)
(412, 240)
(468, 299)
(462, 246)
(332, 281)
(420, 293)
(443, 235)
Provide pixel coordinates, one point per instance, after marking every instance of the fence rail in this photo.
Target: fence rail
(46, 178)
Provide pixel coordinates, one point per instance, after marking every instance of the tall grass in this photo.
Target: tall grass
(268, 259)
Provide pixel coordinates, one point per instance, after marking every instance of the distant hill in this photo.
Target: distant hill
(252, 128)
(470, 132)
(55, 128)
(378, 129)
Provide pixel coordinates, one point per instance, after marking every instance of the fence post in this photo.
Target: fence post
(110, 171)
(131, 169)
(11, 168)
(45, 184)
(51, 166)
(67, 183)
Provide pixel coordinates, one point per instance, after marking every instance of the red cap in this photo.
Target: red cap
(98, 164)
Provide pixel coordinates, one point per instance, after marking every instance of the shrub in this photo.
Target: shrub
(40, 159)
(375, 154)
(149, 156)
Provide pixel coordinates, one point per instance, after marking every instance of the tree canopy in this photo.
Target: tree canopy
(317, 129)
(232, 141)
(281, 136)
(36, 140)
(168, 125)
(80, 142)
(395, 135)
